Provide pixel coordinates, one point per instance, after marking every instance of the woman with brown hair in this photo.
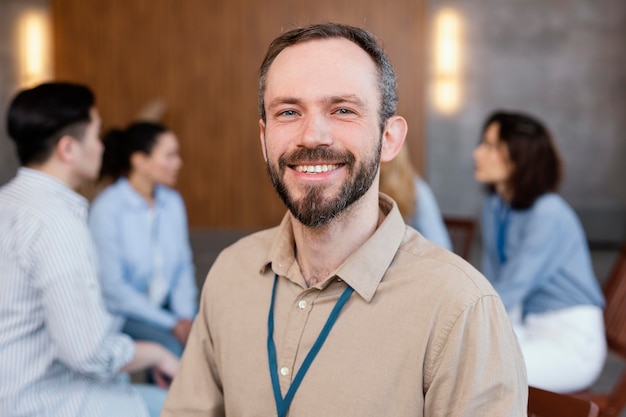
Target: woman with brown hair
(536, 256)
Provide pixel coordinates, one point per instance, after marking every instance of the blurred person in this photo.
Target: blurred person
(415, 199)
(342, 310)
(139, 224)
(536, 256)
(58, 353)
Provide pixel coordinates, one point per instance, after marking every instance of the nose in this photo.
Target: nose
(476, 152)
(316, 131)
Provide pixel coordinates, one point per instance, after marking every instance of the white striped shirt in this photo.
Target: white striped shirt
(58, 354)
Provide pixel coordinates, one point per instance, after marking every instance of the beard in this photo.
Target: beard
(315, 209)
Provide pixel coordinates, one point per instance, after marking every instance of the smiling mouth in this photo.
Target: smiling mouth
(315, 169)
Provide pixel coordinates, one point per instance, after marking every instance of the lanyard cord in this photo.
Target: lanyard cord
(282, 404)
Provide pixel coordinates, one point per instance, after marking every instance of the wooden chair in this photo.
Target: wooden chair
(461, 231)
(612, 403)
(543, 403)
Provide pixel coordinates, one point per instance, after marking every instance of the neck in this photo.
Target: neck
(504, 192)
(322, 250)
(58, 171)
(143, 186)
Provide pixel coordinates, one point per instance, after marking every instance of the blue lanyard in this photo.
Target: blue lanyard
(503, 215)
(282, 404)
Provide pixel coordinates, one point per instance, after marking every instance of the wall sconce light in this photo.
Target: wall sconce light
(34, 47)
(447, 61)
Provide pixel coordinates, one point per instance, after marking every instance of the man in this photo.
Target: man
(58, 356)
(342, 310)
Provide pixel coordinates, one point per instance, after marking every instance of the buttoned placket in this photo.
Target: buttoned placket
(293, 348)
(295, 326)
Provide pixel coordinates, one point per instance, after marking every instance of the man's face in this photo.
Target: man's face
(321, 138)
(88, 151)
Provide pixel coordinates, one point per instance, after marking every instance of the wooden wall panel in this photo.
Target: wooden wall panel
(202, 58)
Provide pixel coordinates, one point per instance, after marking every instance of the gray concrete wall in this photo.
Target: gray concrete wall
(564, 61)
(9, 12)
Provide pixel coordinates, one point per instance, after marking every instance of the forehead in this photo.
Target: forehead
(167, 139)
(322, 66)
(165, 142)
(492, 133)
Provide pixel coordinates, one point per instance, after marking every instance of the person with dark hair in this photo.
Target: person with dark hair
(139, 225)
(536, 256)
(58, 353)
(342, 310)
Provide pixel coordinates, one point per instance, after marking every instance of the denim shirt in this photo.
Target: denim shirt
(544, 262)
(427, 218)
(126, 240)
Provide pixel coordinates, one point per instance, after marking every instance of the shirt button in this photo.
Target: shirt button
(284, 371)
(302, 304)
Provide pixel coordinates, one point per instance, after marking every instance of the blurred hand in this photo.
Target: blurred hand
(181, 330)
(165, 369)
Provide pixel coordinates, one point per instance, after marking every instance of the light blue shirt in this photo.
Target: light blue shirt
(427, 218)
(545, 263)
(126, 239)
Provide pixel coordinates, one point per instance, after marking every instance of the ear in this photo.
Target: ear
(64, 149)
(137, 160)
(394, 134)
(262, 137)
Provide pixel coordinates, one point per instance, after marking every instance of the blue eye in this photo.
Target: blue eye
(288, 113)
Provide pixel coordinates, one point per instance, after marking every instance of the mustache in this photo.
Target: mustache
(305, 155)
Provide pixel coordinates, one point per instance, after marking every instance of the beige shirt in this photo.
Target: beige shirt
(423, 334)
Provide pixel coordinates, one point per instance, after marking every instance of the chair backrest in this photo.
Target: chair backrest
(615, 310)
(613, 402)
(461, 231)
(543, 403)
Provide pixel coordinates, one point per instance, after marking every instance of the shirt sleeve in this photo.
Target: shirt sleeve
(537, 254)
(197, 388)
(478, 369)
(184, 293)
(429, 221)
(122, 298)
(76, 318)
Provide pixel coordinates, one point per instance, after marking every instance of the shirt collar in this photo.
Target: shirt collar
(135, 199)
(47, 183)
(364, 269)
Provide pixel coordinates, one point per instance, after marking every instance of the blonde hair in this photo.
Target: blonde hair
(397, 181)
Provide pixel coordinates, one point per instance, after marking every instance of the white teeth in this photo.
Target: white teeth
(312, 169)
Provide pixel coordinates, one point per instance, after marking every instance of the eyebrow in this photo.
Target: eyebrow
(347, 98)
(282, 100)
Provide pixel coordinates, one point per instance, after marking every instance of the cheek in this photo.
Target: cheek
(278, 137)
(272, 149)
(96, 152)
(166, 167)
(503, 164)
